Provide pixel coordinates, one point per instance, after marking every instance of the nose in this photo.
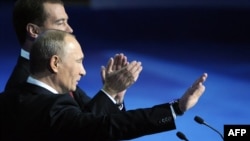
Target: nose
(69, 29)
(83, 71)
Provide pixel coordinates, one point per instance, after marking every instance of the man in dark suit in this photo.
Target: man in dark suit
(32, 17)
(41, 109)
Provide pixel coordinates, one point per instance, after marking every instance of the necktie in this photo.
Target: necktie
(71, 94)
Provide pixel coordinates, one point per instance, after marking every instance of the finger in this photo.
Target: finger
(120, 60)
(134, 66)
(137, 73)
(110, 65)
(201, 80)
(116, 61)
(204, 77)
(124, 61)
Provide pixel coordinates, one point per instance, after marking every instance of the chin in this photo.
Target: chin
(73, 89)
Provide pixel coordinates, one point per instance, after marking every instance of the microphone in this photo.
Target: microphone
(201, 121)
(181, 136)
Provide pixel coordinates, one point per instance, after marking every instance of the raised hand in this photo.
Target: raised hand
(120, 60)
(118, 75)
(192, 95)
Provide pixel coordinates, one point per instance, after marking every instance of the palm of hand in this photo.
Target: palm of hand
(192, 95)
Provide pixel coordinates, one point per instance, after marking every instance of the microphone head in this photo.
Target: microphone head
(199, 120)
(181, 136)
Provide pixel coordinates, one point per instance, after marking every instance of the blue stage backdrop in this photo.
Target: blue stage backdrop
(176, 44)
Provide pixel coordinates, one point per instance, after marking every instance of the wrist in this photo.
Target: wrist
(109, 91)
(176, 106)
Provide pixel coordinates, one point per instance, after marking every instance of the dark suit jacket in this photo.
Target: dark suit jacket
(34, 113)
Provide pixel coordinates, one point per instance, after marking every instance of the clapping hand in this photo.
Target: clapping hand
(118, 75)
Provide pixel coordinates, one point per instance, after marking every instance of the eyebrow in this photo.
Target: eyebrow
(62, 19)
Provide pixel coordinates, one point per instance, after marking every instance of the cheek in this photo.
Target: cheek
(74, 71)
(71, 71)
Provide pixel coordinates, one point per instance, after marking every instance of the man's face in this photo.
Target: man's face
(70, 67)
(56, 18)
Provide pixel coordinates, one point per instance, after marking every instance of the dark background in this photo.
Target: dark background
(176, 42)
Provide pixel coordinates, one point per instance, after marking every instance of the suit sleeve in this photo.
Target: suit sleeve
(102, 104)
(68, 118)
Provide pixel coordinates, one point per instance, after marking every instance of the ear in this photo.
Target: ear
(32, 30)
(54, 63)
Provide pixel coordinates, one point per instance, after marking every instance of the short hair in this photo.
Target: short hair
(49, 43)
(29, 11)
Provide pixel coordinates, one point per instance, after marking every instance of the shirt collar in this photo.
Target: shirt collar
(41, 84)
(25, 54)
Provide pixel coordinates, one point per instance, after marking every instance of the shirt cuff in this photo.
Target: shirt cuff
(172, 110)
